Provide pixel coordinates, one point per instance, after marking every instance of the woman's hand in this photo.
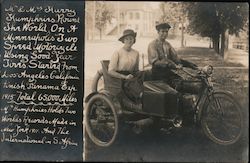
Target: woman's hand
(130, 76)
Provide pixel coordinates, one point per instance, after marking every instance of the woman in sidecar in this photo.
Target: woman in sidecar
(122, 73)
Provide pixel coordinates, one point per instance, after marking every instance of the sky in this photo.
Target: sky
(154, 4)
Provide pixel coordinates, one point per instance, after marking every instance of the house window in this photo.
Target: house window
(137, 15)
(122, 15)
(136, 27)
(131, 15)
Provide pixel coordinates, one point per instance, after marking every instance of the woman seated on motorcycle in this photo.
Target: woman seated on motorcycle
(124, 63)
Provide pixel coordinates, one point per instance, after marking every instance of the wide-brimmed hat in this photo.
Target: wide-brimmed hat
(127, 32)
(162, 26)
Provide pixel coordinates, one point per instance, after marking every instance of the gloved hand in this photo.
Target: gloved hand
(130, 76)
(171, 65)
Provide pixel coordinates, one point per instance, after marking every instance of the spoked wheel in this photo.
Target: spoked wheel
(222, 119)
(101, 120)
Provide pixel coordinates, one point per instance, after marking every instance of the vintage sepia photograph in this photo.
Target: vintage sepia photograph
(166, 81)
(41, 80)
(124, 81)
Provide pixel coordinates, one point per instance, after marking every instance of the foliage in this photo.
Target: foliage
(174, 13)
(232, 16)
(212, 18)
(202, 19)
(103, 15)
(171, 11)
(88, 11)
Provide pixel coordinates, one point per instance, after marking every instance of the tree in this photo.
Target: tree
(89, 19)
(232, 17)
(174, 13)
(103, 15)
(215, 19)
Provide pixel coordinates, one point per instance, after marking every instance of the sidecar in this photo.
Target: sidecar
(108, 108)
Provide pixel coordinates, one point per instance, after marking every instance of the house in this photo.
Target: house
(240, 42)
(139, 16)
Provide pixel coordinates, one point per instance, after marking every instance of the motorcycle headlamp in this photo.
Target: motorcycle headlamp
(208, 70)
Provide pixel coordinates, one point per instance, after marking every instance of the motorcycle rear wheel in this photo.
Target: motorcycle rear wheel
(221, 119)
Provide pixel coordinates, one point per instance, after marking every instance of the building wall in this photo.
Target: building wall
(138, 16)
(139, 20)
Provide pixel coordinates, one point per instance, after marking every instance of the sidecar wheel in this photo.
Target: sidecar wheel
(98, 82)
(101, 120)
(222, 119)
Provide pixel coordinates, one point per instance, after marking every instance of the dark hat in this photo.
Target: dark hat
(162, 26)
(127, 32)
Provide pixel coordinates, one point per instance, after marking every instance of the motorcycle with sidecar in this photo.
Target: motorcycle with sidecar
(107, 109)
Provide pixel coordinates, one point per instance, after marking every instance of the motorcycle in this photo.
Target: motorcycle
(108, 109)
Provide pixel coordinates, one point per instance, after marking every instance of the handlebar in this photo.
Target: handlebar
(190, 74)
(199, 73)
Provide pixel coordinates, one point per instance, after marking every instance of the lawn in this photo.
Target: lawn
(228, 76)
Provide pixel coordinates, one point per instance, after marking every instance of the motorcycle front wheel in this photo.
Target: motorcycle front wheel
(222, 119)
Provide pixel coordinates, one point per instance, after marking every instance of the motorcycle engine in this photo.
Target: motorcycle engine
(189, 102)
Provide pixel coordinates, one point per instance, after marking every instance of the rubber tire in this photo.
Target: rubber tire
(88, 128)
(238, 107)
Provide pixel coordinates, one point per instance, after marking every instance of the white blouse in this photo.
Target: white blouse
(123, 60)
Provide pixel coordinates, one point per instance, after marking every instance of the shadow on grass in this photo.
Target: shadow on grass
(203, 56)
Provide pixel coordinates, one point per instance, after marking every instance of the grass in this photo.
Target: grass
(233, 80)
(236, 82)
(205, 56)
